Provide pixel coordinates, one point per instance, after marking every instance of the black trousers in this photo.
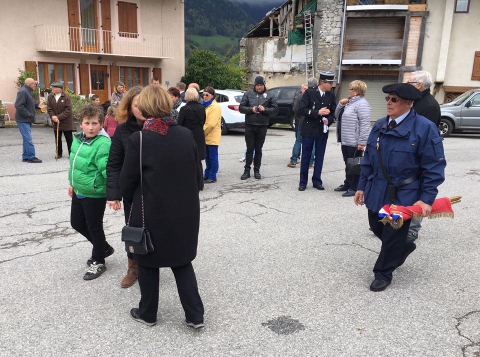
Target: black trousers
(254, 138)
(86, 217)
(351, 181)
(393, 246)
(68, 138)
(148, 279)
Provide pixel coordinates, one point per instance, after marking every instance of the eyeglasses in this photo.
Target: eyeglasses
(392, 99)
(206, 94)
(351, 89)
(412, 82)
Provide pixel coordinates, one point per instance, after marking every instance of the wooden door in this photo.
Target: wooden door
(99, 82)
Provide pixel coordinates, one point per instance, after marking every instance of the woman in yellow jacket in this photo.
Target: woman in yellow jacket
(213, 133)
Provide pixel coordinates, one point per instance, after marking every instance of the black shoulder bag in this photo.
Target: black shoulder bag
(392, 188)
(137, 239)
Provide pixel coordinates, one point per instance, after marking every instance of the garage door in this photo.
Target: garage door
(374, 95)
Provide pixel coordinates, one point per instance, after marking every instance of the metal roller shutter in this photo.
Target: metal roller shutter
(374, 96)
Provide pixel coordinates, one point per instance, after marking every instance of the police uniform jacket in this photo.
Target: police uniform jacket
(311, 103)
(413, 148)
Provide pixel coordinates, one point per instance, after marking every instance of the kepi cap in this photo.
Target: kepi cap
(403, 90)
(327, 76)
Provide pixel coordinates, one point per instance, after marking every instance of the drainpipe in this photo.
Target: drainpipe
(445, 42)
(342, 40)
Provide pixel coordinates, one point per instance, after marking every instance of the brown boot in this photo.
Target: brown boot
(132, 274)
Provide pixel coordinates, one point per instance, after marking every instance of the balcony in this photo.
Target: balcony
(52, 38)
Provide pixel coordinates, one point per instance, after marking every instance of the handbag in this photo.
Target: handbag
(353, 164)
(137, 239)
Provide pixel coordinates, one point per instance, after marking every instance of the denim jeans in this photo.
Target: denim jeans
(297, 148)
(28, 148)
(211, 161)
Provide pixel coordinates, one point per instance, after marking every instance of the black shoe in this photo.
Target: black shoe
(108, 252)
(302, 188)
(257, 175)
(379, 285)
(341, 188)
(134, 316)
(348, 193)
(195, 325)
(24, 160)
(409, 249)
(35, 160)
(245, 175)
(205, 178)
(94, 271)
(319, 187)
(210, 181)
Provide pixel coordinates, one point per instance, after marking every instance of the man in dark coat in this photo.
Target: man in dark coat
(257, 105)
(59, 108)
(318, 107)
(428, 107)
(404, 163)
(25, 116)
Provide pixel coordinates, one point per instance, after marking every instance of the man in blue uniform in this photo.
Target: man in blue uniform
(318, 107)
(404, 164)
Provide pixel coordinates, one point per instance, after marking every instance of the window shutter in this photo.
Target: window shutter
(31, 66)
(84, 79)
(157, 72)
(476, 67)
(127, 18)
(114, 76)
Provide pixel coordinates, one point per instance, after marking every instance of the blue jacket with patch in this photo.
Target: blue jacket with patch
(413, 148)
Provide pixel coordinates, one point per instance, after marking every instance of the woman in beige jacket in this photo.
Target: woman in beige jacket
(213, 133)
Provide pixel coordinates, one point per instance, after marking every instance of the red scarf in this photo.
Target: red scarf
(159, 125)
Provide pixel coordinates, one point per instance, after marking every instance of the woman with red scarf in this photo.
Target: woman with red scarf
(171, 181)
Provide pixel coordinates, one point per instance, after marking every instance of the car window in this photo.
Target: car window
(275, 92)
(238, 98)
(475, 101)
(461, 98)
(287, 94)
(221, 98)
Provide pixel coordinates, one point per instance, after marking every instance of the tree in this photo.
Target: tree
(208, 69)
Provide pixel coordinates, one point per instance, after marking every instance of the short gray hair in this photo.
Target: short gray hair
(423, 77)
(312, 82)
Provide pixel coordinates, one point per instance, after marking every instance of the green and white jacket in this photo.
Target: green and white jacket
(88, 165)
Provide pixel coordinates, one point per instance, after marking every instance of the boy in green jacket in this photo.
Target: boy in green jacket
(87, 176)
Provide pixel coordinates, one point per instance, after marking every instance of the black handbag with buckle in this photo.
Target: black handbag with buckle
(137, 239)
(353, 164)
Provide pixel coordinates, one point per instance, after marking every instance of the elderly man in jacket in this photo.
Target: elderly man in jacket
(25, 116)
(257, 105)
(404, 164)
(59, 108)
(318, 106)
(428, 107)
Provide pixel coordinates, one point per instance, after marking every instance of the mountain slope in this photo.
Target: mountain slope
(258, 9)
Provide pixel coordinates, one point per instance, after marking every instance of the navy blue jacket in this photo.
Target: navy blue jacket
(412, 148)
(311, 103)
(25, 105)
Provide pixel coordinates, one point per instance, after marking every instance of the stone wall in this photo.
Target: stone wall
(328, 29)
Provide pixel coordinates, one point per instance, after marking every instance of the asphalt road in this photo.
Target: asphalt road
(281, 272)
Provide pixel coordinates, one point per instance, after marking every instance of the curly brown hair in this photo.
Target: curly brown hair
(91, 110)
(124, 110)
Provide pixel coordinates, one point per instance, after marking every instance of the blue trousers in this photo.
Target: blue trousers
(308, 144)
(28, 148)
(211, 161)
(297, 148)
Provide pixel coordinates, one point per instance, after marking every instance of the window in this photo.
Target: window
(134, 76)
(475, 101)
(56, 72)
(476, 67)
(462, 6)
(127, 19)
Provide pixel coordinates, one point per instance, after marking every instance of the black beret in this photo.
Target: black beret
(403, 90)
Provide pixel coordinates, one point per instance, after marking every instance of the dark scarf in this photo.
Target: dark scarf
(159, 125)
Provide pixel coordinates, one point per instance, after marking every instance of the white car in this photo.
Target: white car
(229, 101)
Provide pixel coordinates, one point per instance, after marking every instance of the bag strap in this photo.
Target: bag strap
(141, 186)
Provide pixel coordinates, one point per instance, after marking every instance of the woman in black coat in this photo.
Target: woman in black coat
(192, 116)
(171, 182)
(131, 121)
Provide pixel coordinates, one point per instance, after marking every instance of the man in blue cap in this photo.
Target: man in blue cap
(318, 107)
(404, 163)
